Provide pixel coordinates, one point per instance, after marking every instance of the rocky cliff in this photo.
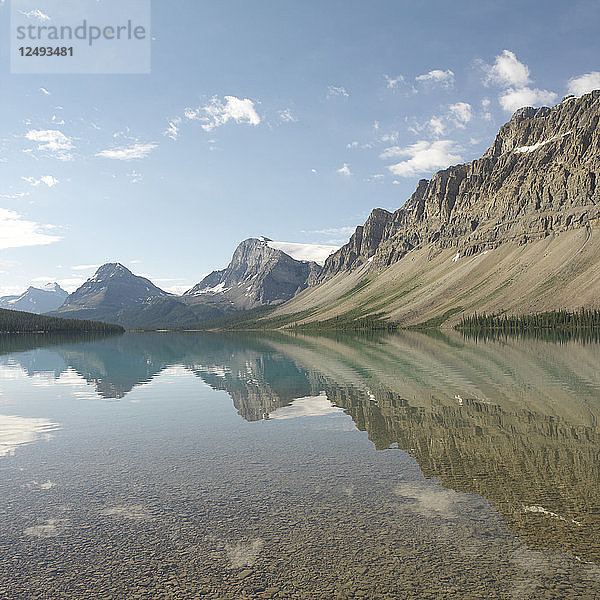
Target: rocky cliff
(515, 231)
(539, 177)
(257, 275)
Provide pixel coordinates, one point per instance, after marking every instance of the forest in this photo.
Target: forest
(557, 325)
(14, 321)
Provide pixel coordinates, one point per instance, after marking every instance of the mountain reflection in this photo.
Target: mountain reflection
(515, 421)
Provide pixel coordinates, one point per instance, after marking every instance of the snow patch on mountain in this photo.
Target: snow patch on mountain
(306, 252)
(534, 147)
(217, 289)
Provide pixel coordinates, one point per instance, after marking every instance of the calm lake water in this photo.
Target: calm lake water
(191, 466)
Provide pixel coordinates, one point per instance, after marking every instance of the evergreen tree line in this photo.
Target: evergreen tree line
(558, 324)
(14, 321)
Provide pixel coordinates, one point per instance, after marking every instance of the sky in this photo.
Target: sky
(277, 118)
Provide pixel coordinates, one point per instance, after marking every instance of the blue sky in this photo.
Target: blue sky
(285, 119)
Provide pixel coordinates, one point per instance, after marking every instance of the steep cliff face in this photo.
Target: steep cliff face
(539, 177)
(257, 275)
(516, 231)
(362, 245)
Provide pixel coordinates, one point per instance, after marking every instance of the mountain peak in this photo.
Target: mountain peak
(52, 287)
(110, 270)
(36, 300)
(113, 288)
(260, 272)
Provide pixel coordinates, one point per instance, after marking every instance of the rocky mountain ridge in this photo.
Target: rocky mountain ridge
(539, 177)
(36, 300)
(112, 286)
(516, 231)
(257, 275)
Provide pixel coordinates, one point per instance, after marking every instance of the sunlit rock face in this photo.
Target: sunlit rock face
(539, 177)
(257, 275)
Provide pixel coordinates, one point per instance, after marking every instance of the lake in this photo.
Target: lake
(228, 466)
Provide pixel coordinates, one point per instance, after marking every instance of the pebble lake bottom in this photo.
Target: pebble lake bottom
(183, 466)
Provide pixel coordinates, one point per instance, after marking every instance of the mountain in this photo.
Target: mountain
(111, 291)
(516, 230)
(259, 274)
(36, 300)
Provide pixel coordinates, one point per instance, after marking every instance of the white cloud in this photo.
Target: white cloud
(424, 157)
(334, 90)
(512, 99)
(584, 83)
(508, 71)
(390, 138)
(48, 180)
(217, 113)
(345, 170)
(135, 151)
(346, 230)
(444, 78)
(36, 15)
(485, 105)
(393, 82)
(514, 76)
(16, 232)
(457, 115)
(352, 145)
(375, 177)
(53, 141)
(436, 125)
(14, 196)
(45, 92)
(172, 130)
(287, 117)
(462, 112)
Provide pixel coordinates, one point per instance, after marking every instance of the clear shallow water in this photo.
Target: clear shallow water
(185, 466)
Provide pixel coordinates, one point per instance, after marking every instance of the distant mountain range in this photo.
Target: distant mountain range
(36, 300)
(259, 274)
